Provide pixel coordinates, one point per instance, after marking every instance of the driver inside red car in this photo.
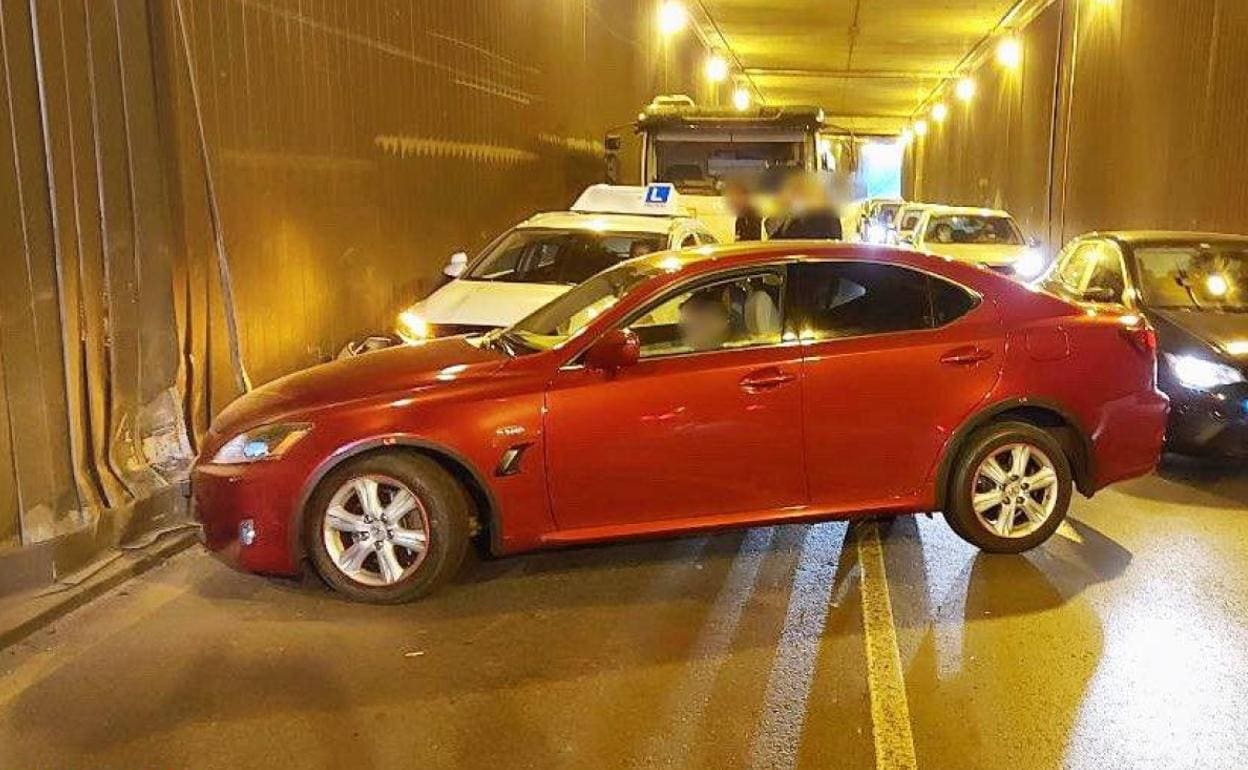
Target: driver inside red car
(705, 321)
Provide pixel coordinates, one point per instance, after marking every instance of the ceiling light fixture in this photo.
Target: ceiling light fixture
(672, 17)
(1010, 52)
(716, 68)
(965, 89)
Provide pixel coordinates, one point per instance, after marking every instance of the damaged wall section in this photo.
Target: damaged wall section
(93, 430)
(326, 156)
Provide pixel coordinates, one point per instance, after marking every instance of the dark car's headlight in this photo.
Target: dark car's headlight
(1200, 373)
(264, 443)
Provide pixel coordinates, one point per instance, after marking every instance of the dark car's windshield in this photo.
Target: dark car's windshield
(1198, 277)
(973, 229)
(909, 220)
(567, 257)
(565, 317)
(885, 213)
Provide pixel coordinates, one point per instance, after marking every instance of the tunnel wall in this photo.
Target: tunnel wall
(92, 436)
(1148, 102)
(355, 146)
(292, 170)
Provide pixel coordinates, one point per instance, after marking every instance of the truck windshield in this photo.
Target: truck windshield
(563, 257)
(696, 166)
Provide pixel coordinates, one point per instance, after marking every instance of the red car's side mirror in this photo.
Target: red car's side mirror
(615, 350)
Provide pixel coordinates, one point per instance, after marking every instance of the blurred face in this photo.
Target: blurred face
(640, 249)
(704, 326)
(736, 197)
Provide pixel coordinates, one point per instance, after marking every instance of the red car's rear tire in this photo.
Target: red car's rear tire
(1011, 488)
(387, 528)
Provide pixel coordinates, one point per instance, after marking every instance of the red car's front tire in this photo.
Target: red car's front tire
(387, 528)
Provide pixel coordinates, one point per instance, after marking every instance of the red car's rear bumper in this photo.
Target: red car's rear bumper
(1127, 441)
(226, 495)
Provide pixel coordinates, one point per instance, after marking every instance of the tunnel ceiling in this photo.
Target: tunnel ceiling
(867, 63)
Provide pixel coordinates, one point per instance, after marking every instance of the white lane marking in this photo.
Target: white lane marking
(688, 707)
(890, 711)
(792, 671)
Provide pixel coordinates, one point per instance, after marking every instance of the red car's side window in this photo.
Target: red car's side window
(741, 311)
(854, 299)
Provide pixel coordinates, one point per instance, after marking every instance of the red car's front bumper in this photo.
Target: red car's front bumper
(265, 493)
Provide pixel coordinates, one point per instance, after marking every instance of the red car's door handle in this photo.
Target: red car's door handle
(964, 356)
(766, 379)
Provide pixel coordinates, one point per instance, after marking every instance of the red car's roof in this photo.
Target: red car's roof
(709, 258)
(1018, 302)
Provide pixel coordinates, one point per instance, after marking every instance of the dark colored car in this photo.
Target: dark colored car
(686, 391)
(1193, 289)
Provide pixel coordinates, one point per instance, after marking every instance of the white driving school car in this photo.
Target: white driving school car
(988, 237)
(545, 256)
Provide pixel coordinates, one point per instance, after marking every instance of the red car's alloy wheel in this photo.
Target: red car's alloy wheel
(376, 530)
(1015, 490)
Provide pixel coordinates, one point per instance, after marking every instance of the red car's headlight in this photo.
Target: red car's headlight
(264, 443)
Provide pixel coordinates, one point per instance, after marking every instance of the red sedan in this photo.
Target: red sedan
(687, 391)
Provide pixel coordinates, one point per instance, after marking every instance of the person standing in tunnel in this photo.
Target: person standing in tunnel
(749, 225)
(807, 213)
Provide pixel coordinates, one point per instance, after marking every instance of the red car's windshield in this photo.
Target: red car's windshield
(567, 316)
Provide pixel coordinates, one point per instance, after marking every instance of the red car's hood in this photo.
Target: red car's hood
(392, 370)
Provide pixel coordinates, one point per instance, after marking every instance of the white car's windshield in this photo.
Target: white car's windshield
(565, 317)
(1195, 278)
(565, 257)
(973, 229)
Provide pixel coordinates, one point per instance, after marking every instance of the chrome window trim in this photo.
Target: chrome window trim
(785, 262)
(979, 299)
(681, 286)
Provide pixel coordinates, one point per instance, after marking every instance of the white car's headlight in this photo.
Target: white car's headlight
(1202, 374)
(264, 443)
(411, 327)
(1029, 265)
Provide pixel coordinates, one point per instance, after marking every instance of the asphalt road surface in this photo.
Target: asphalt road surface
(1121, 643)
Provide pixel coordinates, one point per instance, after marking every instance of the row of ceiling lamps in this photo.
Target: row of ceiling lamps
(1009, 56)
(673, 18)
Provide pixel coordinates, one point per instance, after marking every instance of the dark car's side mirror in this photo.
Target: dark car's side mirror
(613, 351)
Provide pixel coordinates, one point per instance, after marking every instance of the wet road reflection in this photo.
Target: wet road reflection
(1122, 642)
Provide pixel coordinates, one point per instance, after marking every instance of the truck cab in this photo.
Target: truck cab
(695, 148)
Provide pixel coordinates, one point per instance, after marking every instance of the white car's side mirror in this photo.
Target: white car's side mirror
(455, 268)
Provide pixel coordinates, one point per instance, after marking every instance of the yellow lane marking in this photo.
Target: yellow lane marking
(1070, 533)
(890, 711)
